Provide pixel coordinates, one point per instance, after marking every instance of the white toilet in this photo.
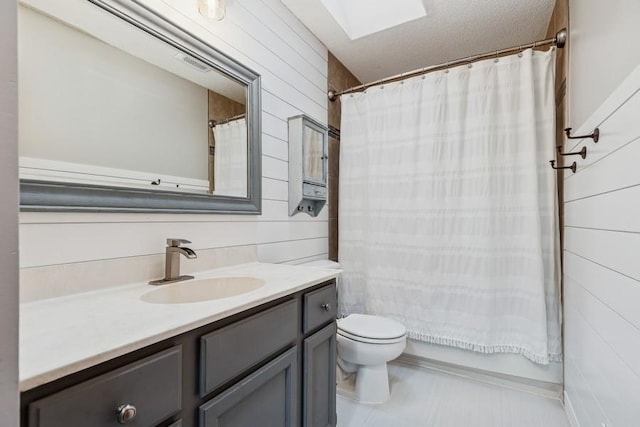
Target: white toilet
(365, 345)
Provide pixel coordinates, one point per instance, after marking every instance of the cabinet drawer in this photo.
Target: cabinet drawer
(232, 350)
(266, 398)
(152, 385)
(319, 307)
(314, 191)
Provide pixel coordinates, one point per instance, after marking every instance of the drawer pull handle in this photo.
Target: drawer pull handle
(326, 307)
(126, 413)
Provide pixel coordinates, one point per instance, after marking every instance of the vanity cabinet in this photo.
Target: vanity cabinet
(271, 365)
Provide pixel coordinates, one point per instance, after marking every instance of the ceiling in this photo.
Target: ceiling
(450, 30)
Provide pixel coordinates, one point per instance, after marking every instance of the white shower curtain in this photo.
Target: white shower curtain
(448, 206)
(230, 161)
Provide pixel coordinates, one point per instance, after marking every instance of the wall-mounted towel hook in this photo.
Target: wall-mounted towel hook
(582, 153)
(573, 166)
(595, 135)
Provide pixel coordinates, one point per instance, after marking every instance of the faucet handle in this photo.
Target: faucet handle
(177, 242)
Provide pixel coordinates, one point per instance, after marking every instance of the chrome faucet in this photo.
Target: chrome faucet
(172, 262)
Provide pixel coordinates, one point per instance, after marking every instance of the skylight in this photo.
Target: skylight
(359, 18)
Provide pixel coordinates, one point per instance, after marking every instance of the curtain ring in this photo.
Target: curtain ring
(446, 68)
(520, 53)
(497, 59)
(472, 59)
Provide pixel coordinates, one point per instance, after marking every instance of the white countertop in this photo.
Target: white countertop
(60, 336)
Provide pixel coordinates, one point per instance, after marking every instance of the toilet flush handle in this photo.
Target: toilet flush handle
(326, 307)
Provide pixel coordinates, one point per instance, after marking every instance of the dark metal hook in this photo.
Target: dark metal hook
(573, 166)
(595, 135)
(582, 153)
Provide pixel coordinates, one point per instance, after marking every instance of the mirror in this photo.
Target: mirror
(313, 153)
(120, 110)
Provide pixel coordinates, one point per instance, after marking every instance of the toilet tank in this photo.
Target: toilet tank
(330, 265)
(322, 263)
(325, 263)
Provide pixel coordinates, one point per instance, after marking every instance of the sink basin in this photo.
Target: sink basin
(198, 290)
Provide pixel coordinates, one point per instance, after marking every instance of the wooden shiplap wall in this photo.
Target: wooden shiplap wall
(265, 36)
(602, 267)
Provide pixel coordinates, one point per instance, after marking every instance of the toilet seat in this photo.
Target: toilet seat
(371, 329)
(370, 340)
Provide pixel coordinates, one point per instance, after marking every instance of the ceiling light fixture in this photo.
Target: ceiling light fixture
(212, 9)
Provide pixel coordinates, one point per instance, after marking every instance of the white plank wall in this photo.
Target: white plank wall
(266, 37)
(602, 268)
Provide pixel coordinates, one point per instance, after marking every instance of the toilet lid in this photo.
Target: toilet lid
(344, 334)
(372, 327)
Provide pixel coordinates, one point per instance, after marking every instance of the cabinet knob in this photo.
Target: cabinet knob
(326, 307)
(126, 413)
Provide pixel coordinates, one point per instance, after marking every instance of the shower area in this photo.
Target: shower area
(447, 218)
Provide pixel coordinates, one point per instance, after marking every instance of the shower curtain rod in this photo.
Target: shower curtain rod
(559, 40)
(214, 123)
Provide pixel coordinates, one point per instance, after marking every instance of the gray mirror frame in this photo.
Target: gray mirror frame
(68, 197)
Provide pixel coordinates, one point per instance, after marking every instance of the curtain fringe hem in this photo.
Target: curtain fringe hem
(486, 349)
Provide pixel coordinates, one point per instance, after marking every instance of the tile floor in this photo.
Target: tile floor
(427, 398)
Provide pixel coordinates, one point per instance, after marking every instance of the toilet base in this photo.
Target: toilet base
(372, 384)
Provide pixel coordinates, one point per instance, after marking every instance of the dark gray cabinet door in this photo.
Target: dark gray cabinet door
(266, 398)
(319, 378)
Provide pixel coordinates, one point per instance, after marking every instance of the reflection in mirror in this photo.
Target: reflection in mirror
(313, 151)
(228, 148)
(103, 102)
